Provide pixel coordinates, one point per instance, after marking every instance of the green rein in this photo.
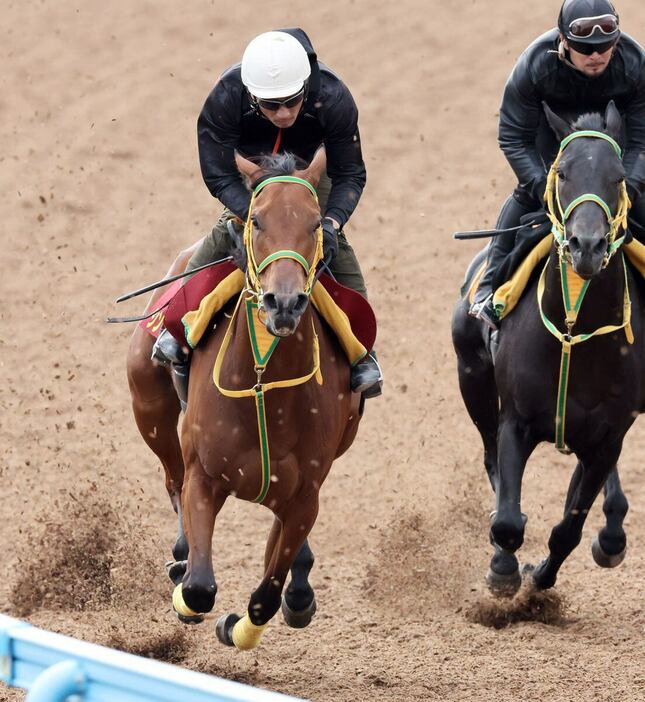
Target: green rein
(254, 290)
(571, 305)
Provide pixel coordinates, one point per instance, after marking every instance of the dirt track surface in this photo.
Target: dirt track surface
(101, 188)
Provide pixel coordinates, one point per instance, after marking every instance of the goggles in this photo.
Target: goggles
(275, 105)
(588, 49)
(584, 27)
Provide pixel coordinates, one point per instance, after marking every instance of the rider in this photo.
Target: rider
(577, 68)
(281, 98)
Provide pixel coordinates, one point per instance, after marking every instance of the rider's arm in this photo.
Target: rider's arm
(345, 165)
(519, 119)
(218, 132)
(634, 159)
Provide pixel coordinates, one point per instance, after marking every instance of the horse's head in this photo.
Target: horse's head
(587, 185)
(283, 240)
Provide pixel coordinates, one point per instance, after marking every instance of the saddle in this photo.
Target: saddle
(188, 309)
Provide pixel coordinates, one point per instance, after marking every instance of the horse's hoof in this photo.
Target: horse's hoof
(196, 619)
(176, 570)
(224, 628)
(298, 619)
(503, 585)
(181, 609)
(606, 560)
(533, 576)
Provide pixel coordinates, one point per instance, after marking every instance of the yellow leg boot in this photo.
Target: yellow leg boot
(247, 635)
(184, 613)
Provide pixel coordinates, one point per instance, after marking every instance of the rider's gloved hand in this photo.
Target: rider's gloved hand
(330, 238)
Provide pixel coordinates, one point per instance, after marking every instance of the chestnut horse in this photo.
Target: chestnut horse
(303, 427)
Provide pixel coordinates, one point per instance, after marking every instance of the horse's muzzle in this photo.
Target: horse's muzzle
(587, 255)
(283, 312)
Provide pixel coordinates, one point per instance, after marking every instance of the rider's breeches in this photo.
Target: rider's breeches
(501, 245)
(344, 266)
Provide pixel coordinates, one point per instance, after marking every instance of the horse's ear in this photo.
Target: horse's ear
(250, 171)
(314, 171)
(613, 121)
(560, 126)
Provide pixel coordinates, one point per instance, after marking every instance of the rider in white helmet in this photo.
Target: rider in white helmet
(275, 64)
(282, 99)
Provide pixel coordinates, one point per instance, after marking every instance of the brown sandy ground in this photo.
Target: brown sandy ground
(100, 189)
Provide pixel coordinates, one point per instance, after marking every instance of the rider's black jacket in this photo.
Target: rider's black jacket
(540, 75)
(229, 122)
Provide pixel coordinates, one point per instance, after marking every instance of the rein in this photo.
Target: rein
(572, 304)
(254, 291)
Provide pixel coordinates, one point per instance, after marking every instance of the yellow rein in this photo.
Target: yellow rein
(254, 290)
(571, 306)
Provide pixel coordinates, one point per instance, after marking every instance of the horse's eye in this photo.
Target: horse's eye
(256, 224)
(561, 176)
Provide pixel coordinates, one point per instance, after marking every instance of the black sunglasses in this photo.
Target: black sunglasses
(275, 105)
(588, 49)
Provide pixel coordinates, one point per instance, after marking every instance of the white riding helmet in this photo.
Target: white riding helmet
(275, 65)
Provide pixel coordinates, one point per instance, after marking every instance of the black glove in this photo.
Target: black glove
(330, 239)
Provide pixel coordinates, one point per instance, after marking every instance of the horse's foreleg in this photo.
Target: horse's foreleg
(590, 477)
(609, 546)
(297, 519)
(298, 602)
(507, 527)
(201, 503)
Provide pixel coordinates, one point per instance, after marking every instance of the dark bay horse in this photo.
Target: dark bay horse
(514, 401)
(223, 450)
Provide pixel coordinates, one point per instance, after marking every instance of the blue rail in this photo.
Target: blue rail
(54, 667)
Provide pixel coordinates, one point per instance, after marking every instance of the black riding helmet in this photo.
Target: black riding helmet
(588, 21)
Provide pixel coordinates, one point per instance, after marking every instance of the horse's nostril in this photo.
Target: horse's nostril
(574, 244)
(270, 303)
(600, 246)
(301, 304)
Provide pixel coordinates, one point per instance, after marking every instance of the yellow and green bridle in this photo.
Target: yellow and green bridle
(253, 268)
(572, 300)
(252, 291)
(559, 218)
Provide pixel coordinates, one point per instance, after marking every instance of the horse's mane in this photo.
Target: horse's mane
(273, 165)
(590, 120)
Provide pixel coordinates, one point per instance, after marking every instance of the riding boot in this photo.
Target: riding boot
(167, 351)
(499, 248)
(366, 376)
(180, 374)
